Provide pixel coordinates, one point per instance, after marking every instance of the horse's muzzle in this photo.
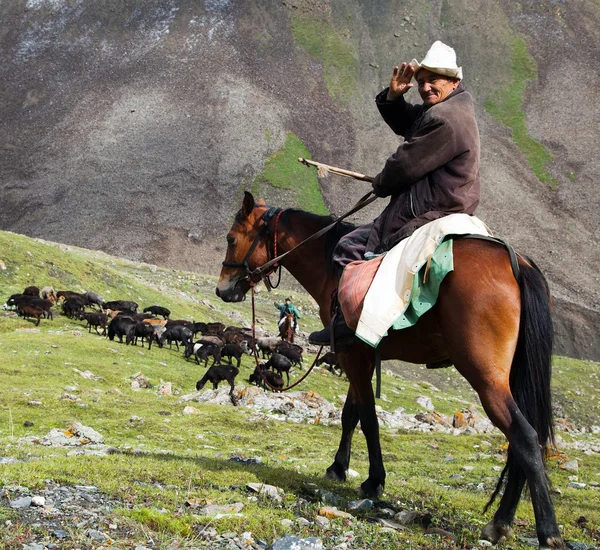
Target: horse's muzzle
(232, 292)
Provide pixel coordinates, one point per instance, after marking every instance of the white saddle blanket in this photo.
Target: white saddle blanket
(390, 292)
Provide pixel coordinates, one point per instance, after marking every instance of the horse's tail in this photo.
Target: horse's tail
(532, 365)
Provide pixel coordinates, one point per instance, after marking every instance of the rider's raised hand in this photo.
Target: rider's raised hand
(400, 82)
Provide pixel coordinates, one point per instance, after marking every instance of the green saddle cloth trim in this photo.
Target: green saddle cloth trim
(425, 295)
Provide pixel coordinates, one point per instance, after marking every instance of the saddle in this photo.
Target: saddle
(394, 290)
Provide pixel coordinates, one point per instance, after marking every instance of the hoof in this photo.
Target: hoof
(494, 532)
(335, 473)
(368, 489)
(553, 543)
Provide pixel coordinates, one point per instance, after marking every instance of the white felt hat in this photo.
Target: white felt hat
(440, 59)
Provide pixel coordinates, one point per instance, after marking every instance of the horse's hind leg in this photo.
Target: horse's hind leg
(501, 525)
(525, 448)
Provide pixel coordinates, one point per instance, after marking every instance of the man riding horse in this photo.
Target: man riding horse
(435, 172)
(288, 308)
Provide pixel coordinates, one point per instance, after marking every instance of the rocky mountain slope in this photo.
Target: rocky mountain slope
(133, 127)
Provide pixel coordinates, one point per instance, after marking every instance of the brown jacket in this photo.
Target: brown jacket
(435, 172)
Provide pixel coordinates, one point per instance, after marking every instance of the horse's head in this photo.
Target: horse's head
(246, 250)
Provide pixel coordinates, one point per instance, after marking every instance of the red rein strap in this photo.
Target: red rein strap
(256, 353)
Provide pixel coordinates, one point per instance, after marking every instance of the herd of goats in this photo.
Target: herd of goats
(121, 319)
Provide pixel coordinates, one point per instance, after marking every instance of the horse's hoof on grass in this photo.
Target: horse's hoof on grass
(553, 543)
(494, 532)
(369, 490)
(337, 474)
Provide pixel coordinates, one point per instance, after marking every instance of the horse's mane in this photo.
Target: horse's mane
(332, 237)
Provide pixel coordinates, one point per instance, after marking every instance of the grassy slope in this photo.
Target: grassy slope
(37, 366)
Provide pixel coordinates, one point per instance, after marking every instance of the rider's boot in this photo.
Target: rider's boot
(342, 333)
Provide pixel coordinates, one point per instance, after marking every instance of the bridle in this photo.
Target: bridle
(256, 275)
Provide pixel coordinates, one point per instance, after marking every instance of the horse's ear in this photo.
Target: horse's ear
(247, 204)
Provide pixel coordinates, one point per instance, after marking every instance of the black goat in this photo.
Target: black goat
(142, 330)
(216, 374)
(273, 378)
(158, 310)
(95, 320)
(202, 350)
(120, 326)
(281, 364)
(120, 305)
(177, 333)
(233, 350)
(73, 306)
(292, 352)
(330, 359)
(32, 291)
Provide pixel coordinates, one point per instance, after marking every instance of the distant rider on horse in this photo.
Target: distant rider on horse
(288, 308)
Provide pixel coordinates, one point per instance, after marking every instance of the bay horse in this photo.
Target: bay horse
(286, 328)
(492, 324)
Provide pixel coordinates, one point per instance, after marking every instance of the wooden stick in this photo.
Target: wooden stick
(325, 168)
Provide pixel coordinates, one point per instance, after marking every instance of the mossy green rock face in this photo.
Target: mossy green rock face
(506, 106)
(283, 171)
(333, 47)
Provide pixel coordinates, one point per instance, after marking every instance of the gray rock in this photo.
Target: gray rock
(289, 542)
(580, 546)
(23, 502)
(38, 501)
(287, 523)
(390, 525)
(426, 403)
(360, 505)
(269, 490)
(405, 517)
(571, 466)
(220, 510)
(98, 536)
(322, 521)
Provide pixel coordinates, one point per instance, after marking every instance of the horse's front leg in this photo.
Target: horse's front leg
(350, 418)
(359, 366)
(375, 483)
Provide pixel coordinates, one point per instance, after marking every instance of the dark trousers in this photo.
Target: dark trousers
(351, 247)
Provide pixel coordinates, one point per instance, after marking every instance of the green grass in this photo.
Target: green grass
(334, 49)
(506, 106)
(167, 458)
(283, 171)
